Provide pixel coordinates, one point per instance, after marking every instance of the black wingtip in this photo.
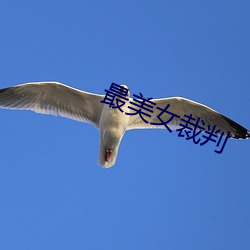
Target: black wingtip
(237, 131)
(3, 90)
(248, 134)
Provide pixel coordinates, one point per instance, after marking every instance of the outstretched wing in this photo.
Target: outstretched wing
(55, 99)
(181, 106)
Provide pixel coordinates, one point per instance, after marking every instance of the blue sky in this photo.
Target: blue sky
(164, 192)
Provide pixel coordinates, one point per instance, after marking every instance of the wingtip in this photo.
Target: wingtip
(248, 134)
(3, 90)
(237, 131)
(242, 136)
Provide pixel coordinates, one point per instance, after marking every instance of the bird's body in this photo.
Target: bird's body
(58, 99)
(113, 125)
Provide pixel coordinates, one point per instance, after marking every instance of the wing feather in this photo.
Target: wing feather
(53, 98)
(181, 107)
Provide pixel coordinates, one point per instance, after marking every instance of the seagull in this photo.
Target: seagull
(55, 98)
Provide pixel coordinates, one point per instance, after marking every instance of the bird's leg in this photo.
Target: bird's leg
(108, 154)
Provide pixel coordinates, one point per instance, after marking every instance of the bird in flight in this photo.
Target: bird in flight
(55, 98)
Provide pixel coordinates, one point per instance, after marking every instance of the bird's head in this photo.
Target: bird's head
(126, 87)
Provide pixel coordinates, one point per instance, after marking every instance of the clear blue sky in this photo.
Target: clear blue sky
(164, 192)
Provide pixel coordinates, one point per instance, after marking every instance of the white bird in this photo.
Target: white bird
(58, 99)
